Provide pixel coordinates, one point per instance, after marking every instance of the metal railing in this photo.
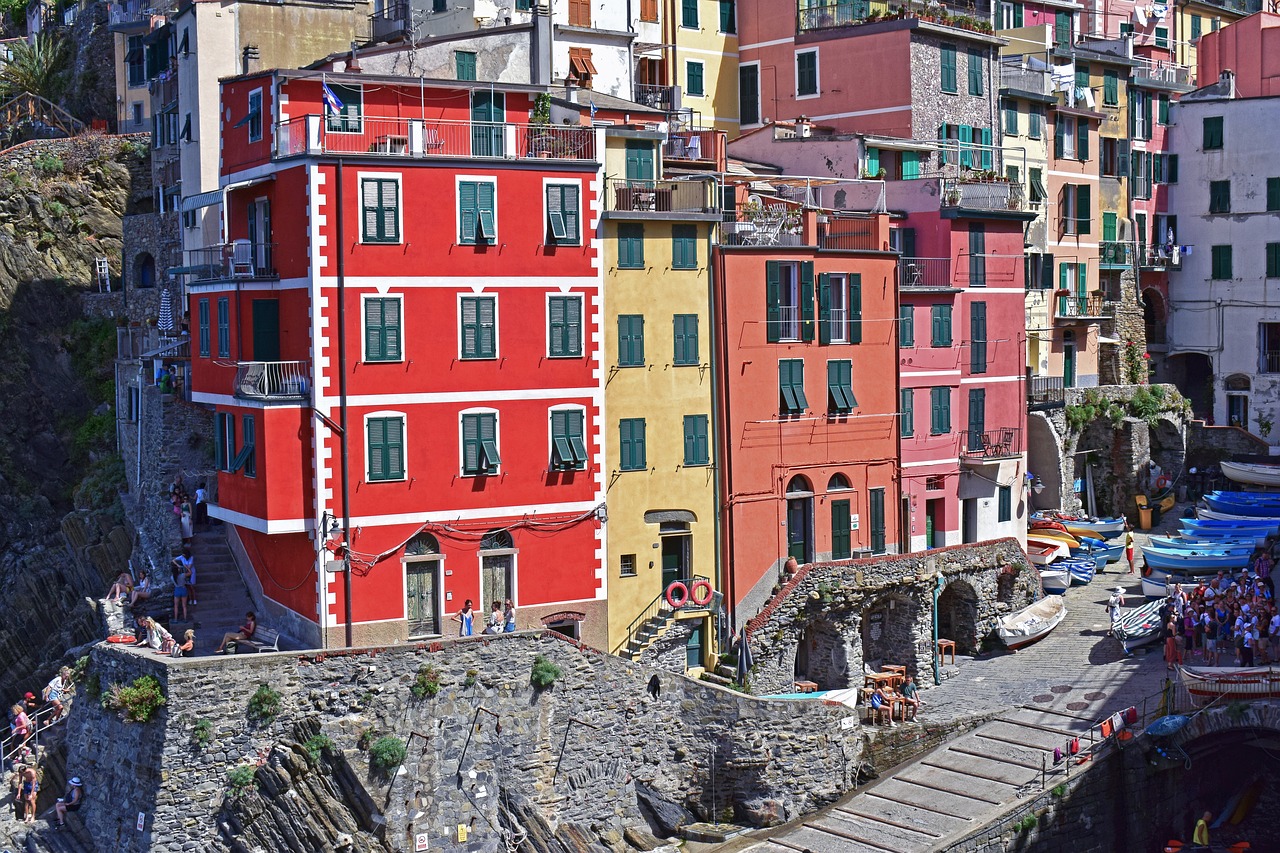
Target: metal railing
(1025, 79)
(1269, 362)
(1162, 74)
(238, 259)
(1080, 306)
(848, 233)
(12, 746)
(925, 272)
(408, 137)
(1045, 391)
(982, 195)
(391, 22)
(817, 15)
(660, 607)
(665, 98)
(1114, 254)
(273, 380)
(759, 234)
(999, 443)
(632, 196)
(699, 145)
(128, 12)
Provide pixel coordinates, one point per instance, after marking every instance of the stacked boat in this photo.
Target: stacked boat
(1070, 550)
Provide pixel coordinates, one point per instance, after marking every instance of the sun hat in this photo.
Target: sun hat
(1118, 589)
(75, 781)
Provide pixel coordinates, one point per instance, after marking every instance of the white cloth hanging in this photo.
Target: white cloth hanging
(1140, 15)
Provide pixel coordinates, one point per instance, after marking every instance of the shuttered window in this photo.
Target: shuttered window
(907, 419)
(977, 255)
(380, 210)
(1219, 196)
(477, 212)
(202, 312)
(1273, 193)
(1110, 88)
(386, 449)
(807, 73)
(791, 386)
(1273, 260)
(248, 457)
(939, 411)
(728, 16)
(480, 444)
(689, 14)
(1212, 133)
(975, 72)
(907, 325)
(684, 247)
(1005, 504)
(696, 445)
(347, 119)
(478, 326)
(465, 61)
(630, 340)
(977, 337)
(685, 334)
(841, 546)
(840, 387)
(977, 417)
(568, 447)
(564, 326)
(563, 217)
(630, 246)
(1220, 262)
(949, 68)
(631, 443)
(1082, 139)
(940, 316)
(693, 79)
(224, 327)
(382, 328)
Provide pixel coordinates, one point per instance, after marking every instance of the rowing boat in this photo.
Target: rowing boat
(1257, 475)
(1055, 581)
(1139, 626)
(1032, 623)
(1204, 682)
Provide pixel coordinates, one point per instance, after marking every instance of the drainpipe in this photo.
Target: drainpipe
(720, 355)
(342, 406)
(715, 403)
(937, 658)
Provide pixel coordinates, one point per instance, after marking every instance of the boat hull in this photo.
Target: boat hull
(1175, 560)
(1139, 626)
(1211, 682)
(1033, 623)
(1254, 475)
(1055, 582)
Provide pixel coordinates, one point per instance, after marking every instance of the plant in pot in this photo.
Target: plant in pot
(541, 139)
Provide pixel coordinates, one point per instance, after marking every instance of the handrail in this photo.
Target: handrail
(9, 753)
(653, 609)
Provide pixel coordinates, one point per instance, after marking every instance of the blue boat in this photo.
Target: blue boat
(1248, 509)
(1081, 571)
(1266, 526)
(1055, 581)
(1196, 543)
(1184, 560)
(1108, 553)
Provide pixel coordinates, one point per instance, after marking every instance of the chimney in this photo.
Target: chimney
(353, 64)
(251, 59)
(1227, 78)
(804, 128)
(541, 46)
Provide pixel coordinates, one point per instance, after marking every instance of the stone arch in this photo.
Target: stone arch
(144, 270)
(825, 656)
(958, 616)
(889, 627)
(496, 540)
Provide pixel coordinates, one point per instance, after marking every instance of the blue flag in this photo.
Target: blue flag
(331, 100)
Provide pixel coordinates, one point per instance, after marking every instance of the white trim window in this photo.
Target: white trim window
(566, 436)
(381, 209)
(478, 442)
(384, 447)
(808, 74)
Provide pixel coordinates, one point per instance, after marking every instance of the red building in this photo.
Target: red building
(400, 339)
(809, 443)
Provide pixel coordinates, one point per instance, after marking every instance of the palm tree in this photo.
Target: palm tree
(37, 67)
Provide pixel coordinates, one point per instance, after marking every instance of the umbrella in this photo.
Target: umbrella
(166, 310)
(745, 659)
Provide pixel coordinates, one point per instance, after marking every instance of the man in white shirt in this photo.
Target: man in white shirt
(1114, 604)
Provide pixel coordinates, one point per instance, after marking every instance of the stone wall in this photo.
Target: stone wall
(157, 235)
(488, 751)
(831, 618)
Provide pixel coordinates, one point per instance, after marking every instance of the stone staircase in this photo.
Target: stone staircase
(647, 634)
(220, 591)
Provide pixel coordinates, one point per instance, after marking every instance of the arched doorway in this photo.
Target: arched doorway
(958, 616)
(497, 569)
(1153, 316)
(889, 631)
(800, 519)
(423, 580)
(824, 657)
(144, 270)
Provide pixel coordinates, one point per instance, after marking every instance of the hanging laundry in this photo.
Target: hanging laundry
(1086, 95)
(1159, 11)
(1140, 15)
(1063, 77)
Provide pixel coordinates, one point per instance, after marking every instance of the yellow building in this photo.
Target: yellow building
(1197, 17)
(703, 60)
(129, 23)
(659, 414)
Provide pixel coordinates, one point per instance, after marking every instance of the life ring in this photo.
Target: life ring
(1162, 482)
(1146, 571)
(677, 594)
(699, 599)
(122, 638)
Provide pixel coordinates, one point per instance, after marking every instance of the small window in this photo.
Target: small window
(465, 61)
(248, 458)
(685, 335)
(940, 315)
(694, 86)
(684, 247)
(382, 328)
(630, 340)
(564, 326)
(1220, 262)
(1035, 121)
(224, 327)
(1110, 88)
(840, 387)
(948, 77)
(627, 566)
(630, 246)
(631, 444)
(478, 327)
(1010, 110)
(791, 386)
(1273, 260)
(975, 72)
(1005, 500)
(1213, 138)
(728, 16)
(380, 210)
(1219, 196)
(977, 337)
(1162, 37)
(254, 119)
(906, 325)
(1036, 181)
(696, 445)
(563, 215)
(1273, 194)
(386, 449)
(689, 14)
(480, 444)
(202, 314)
(807, 73)
(568, 445)
(477, 213)
(344, 106)
(940, 414)
(907, 418)
(224, 440)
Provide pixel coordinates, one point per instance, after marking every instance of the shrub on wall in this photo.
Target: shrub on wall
(387, 753)
(138, 702)
(264, 704)
(426, 683)
(544, 673)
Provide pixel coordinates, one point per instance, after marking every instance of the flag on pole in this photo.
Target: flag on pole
(592, 104)
(331, 100)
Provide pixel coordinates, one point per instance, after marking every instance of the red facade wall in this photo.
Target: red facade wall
(285, 565)
(282, 488)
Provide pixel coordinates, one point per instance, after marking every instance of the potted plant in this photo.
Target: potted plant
(540, 137)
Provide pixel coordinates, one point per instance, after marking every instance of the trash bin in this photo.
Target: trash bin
(1144, 516)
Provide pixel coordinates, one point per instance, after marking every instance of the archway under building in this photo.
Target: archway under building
(958, 616)
(1154, 316)
(824, 656)
(1192, 373)
(889, 631)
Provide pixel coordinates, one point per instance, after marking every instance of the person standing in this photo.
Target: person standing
(465, 619)
(509, 617)
(1114, 604)
(202, 508)
(1201, 835)
(1128, 545)
(180, 595)
(30, 791)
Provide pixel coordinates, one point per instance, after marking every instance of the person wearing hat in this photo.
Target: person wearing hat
(1114, 604)
(70, 801)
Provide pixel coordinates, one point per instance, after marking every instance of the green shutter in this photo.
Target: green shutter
(806, 301)
(380, 202)
(910, 165)
(1146, 116)
(1084, 221)
(773, 301)
(689, 14)
(1082, 279)
(488, 427)
(940, 410)
(966, 146)
(224, 327)
(486, 205)
(855, 308)
(1171, 170)
(977, 255)
(841, 547)
(791, 386)
(1082, 139)
(202, 311)
(941, 317)
(631, 245)
(988, 155)
(728, 17)
(1005, 504)
(1273, 260)
(696, 451)
(684, 247)
(568, 450)
(468, 214)
(563, 215)
(466, 64)
(824, 308)
(382, 329)
(977, 417)
(1059, 137)
(1273, 195)
(1162, 109)
(949, 68)
(1108, 227)
(975, 72)
(840, 397)
(1017, 15)
(1110, 88)
(693, 79)
(685, 333)
(386, 449)
(807, 73)
(564, 318)
(977, 337)
(876, 511)
(906, 422)
(1011, 118)
(631, 433)
(906, 326)
(630, 340)
(219, 442)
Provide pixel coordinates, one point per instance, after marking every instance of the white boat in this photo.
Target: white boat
(1155, 586)
(1205, 512)
(1055, 581)
(1210, 682)
(1257, 475)
(1042, 555)
(1032, 623)
(1139, 626)
(1060, 548)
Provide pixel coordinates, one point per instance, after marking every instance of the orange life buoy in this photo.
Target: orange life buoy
(1162, 482)
(677, 594)
(695, 593)
(122, 638)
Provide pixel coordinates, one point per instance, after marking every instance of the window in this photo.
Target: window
(975, 72)
(1004, 501)
(977, 337)
(689, 14)
(1214, 24)
(465, 61)
(1035, 121)
(224, 327)
(1010, 109)
(631, 444)
(630, 340)
(791, 386)
(749, 94)
(977, 255)
(479, 328)
(840, 387)
(224, 441)
(789, 301)
(1110, 89)
(439, 5)
(807, 73)
(1221, 262)
(949, 68)
(940, 315)
(1076, 205)
(579, 13)
(568, 447)
(1010, 15)
(906, 325)
(1269, 347)
(480, 444)
(1035, 178)
(1066, 137)
(907, 420)
(1219, 196)
(1197, 25)
(1062, 29)
(648, 10)
(627, 566)
(380, 210)
(1113, 157)
(1139, 114)
(350, 107)
(685, 334)
(382, 328)
(477, 213)
(696, 449)
(977, 417)
(1212, 133)
(1140, 174)
(562, 214)
(875, 509)
(385, 440)
(254, 118)
(1162, 37)
(630, 246)
(1162, 109)
(564, 326)
(1038, 269)
(1273, 260)
(136, 60)
(185, 136)
(939, 411)
(202, 315)
(1273, 194)
(684, 247)
(840, 308)
(728, 16)
(248, 457)
(693, 85)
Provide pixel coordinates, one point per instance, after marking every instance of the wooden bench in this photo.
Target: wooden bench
(264, 640)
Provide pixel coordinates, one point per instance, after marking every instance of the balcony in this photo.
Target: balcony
(131, 14)
(391, 23)
(660, 197)
(925, 274)
(1163, 75)
(405, 138)
(699, 146)
(665, 98)
(993, 445)
(961, 193)
(1033, 81)
(1072, 307)
(1114, 255)
(1045, 392)
(831, 14)
(1162, 258)
(848, 234)
(238, 260)
(272, 380)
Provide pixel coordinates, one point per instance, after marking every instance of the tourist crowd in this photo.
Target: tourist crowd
(1224, 620)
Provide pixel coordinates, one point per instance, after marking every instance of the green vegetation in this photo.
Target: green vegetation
(366, 737)
(544, 673)
(470, 680)
(426, 683)
(240, 779)
(38, 67)
(48, 164)
(202, 734)
(138, 702)
(387, 753)
(316, 746)
(131, 148)
(264, 704)
(1148, 403)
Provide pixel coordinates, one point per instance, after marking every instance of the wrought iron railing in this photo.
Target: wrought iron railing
(848, 233)
(1114, 254)
(1080, 306)
(640, 196)
(237, 259)
(699, 145)
(982, 195)
(389, 23)
(1045, 391)
(663, 98)
(272, 380)
(660, 606)
(925, 272)
(408, 137)
(999, 443)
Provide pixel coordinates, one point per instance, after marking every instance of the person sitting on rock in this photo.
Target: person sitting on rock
(121, 588)
(70, 801)
(142, 591)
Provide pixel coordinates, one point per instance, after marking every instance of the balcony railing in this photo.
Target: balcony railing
(392, 22)
(698, 145)
(405, 137)
(630, 196)
(1080, 306)
(848, 233)
(1044, 392)
(1025, 79)
(925, 273)
(1114, 254)
(1159, 258)
(760, 233)
(989, 444)
(240, 259)
(1167, 74)
(982, 195)
(128, 12)
(819, 15)
(1269, 362)
(665, 98)
(272, 380)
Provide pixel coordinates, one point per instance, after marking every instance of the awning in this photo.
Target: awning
(195, 202)
(582, 66)
(891, 144)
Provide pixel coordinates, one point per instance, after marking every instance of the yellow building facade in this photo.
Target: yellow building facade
(704, 60)
(1197, 17)
(660, 474)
